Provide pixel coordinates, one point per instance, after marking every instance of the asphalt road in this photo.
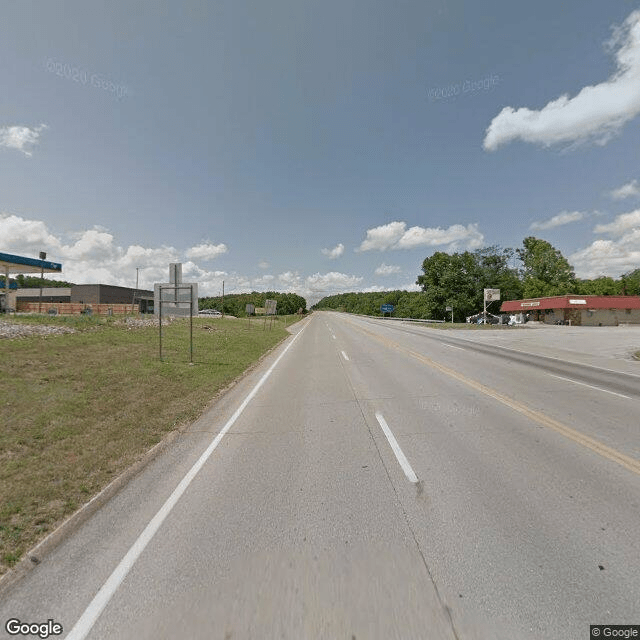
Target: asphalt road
(382, 482)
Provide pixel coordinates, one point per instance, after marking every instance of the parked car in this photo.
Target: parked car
(210, 312)
(480, 318)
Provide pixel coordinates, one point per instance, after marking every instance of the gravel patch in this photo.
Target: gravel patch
(139, 323)
(11, 330)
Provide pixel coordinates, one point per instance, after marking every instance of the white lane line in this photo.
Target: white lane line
(453, 346)
(333, 336)
(613, 393)
(344, 355)
(102, 598)
(402, 459)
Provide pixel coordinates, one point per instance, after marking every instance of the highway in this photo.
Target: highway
(371, 480)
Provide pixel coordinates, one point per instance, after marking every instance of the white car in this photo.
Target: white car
(210, 312)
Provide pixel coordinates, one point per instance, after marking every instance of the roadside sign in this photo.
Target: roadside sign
(491, 294)
(448, 308)
(270, 307)
(387, 308)
(250, 309)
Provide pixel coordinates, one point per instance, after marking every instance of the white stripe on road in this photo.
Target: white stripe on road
(344, 355)
(333, 336)
(613, 393)
(102, 598)
(453, 346)
(402, 459)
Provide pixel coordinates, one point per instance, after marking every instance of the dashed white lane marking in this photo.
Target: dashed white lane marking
(453, 346)
(344, 355)
(584, 384)
(402, 459)
(101, 600)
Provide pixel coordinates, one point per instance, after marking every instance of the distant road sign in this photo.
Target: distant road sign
(270, 307)
(448, 308)
(387, 308)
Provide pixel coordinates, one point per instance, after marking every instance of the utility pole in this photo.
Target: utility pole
(223, 298)
(133, 299)
(43, 256)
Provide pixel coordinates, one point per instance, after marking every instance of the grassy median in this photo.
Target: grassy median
(79, 408)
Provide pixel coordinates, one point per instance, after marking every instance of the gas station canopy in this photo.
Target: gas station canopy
(18, 264)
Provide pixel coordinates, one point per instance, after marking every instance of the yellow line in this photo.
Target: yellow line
(580, 438)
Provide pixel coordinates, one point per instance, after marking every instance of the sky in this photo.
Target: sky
(316, 147)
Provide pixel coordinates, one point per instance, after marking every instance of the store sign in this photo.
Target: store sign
(491, 294)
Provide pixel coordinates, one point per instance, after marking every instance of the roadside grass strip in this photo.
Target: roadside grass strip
(78, 409)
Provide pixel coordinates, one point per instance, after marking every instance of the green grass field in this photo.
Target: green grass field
(78, 409)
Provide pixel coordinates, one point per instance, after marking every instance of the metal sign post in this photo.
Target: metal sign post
(489, 296)
(270, 310)
(174, 288)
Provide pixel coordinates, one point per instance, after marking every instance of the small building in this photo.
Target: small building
(102, 299)
(110, 294)
(593, 311)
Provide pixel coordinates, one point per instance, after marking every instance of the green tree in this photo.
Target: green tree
(631, 283)
(603, 286)
(546, 271)
(451, 280)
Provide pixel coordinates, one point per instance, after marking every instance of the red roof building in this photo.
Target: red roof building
(579, 310)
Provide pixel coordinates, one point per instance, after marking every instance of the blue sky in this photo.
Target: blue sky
(316, 147)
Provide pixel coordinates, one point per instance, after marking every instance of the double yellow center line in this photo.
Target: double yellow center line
(580, 438)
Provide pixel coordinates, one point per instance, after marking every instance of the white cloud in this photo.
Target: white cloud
(621, 224)
(596, 112)
(387, 269)
(21, 138)
(332, 281)
(263, 282)
(629, 190)
(383, 237)
(334, 253)
(608, 257)
(611, 257)
(93, 256)
(27, 236)
(263, 264)
(566, 217)
(289, 279)
(206, 251)
(395, 235)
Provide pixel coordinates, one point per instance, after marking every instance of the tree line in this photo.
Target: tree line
(235, 303)
(35, 282)
(457, 280)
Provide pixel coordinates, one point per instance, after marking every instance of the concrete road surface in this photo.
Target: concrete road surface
(371, 480)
